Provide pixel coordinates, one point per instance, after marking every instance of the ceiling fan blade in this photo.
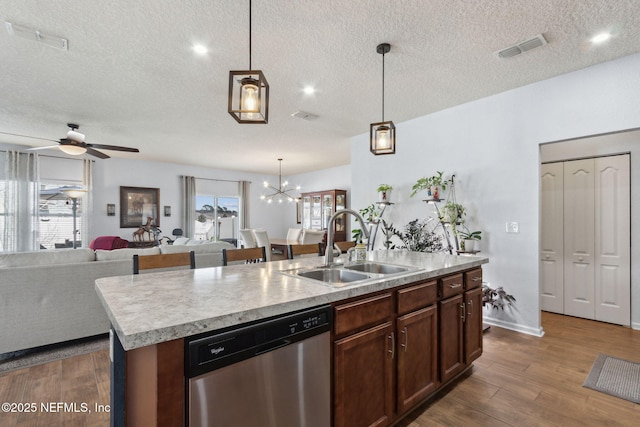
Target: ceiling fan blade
(42, 148)
(114, 147)
(27, 136)
(97, 153)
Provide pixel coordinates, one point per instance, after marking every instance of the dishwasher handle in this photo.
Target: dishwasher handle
(272, 346)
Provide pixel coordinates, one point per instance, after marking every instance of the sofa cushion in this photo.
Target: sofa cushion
(181, 241)
(204, 248)
(126, 253)
(48, 257)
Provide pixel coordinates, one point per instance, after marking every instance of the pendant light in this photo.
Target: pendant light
(248, 92)
(383, 134)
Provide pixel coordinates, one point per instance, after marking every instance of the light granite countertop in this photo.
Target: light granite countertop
(150, 308)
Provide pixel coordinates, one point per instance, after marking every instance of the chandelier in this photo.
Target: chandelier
(280, 193)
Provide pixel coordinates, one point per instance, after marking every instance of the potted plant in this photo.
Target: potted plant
(384, 193)
(433, 184)
(496, 298)
(469, 238)
(371, 214)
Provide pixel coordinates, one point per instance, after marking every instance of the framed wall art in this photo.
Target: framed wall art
(139, 206)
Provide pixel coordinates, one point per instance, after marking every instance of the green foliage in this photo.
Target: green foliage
(388, 231)
(425, 183)
(497, 298)
(420, 237)
(384, 187)
(470, 235)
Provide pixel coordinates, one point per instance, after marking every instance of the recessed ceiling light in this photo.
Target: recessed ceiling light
(309, 90)
(200, 49)
(600, 38)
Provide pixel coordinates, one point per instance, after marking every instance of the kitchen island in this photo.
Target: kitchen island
(153, 313)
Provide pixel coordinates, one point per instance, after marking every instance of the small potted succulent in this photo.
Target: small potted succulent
(384, 193)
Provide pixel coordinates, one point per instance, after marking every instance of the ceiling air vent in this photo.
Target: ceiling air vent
(304, 115)
(522, 47)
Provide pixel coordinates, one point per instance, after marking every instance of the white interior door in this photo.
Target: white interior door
(551, 240)
(612, 240)
(579, 227)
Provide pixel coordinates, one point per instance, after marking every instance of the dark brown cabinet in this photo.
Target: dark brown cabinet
(473, 315)
(395, 349)
(317, 208)
(364, 365)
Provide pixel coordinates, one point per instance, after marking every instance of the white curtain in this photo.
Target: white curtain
(20, 232)
(188, 205)
(244, 190)
(87, 202)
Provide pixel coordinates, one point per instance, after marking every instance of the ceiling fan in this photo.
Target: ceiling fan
(74, 144)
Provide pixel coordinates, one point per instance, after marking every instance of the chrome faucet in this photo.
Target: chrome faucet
(328, 255)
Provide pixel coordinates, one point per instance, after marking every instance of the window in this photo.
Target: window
(217, 210)
(216, 218)
(56, 218)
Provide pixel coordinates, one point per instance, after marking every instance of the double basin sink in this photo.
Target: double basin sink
(338, 275)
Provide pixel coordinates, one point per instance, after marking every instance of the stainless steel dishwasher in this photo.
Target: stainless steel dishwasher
(272, 373)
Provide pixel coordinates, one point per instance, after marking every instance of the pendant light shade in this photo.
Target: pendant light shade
(383, 134)
(249, 92)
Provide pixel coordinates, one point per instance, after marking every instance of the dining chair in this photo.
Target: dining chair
(293, 235)
(248, 241)
(312, 236)
(149, 262)
(249, 255)
(312, 248)
(344, 246)
(262, 239)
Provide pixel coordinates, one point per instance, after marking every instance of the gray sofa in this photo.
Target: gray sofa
(48, 297)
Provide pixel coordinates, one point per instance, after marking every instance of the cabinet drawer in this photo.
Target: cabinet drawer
(451, 285)
(362, 313)
(473, 279)
(418, 296)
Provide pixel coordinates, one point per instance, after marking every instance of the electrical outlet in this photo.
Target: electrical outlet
(512, 227)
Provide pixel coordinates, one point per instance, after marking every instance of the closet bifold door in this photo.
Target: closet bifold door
(612, 240)
(551, 238)
(579, 227)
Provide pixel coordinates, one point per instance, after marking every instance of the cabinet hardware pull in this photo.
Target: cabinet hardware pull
(463, 315)
(470, 312)
(393, 345)
(406, 338)
(477, 279)
(455, 285)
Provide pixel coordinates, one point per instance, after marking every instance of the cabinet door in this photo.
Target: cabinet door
(363, 378)
(451, 337)
(472, 325)
(327, 209)
(306, 211)
(417, 356)
(316, 212)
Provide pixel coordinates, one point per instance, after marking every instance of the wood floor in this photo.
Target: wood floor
(520, 380)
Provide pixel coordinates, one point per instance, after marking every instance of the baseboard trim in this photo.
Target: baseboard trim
(539, 332)
(635, 326)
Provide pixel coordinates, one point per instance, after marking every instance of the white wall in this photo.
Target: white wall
(112, 173)
(492, 145)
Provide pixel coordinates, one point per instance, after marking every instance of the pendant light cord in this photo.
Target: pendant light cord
(383, 87)
(250, 35)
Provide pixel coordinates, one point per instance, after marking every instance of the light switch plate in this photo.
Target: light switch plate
(513, 227)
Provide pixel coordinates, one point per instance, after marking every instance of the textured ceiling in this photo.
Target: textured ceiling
(130, 77)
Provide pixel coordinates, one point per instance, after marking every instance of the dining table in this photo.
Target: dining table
(282, 245)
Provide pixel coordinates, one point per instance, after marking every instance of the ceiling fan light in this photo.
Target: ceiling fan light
(383, 138)
(248, 96)
(75, 136)
(74, 150)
